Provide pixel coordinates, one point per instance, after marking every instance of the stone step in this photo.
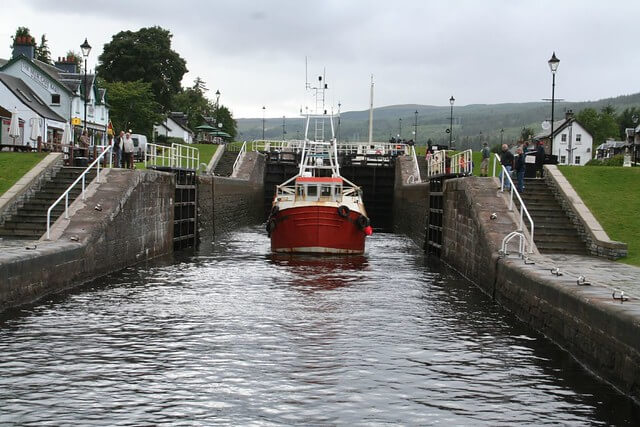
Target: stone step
(25, 234)
(25, 225)
(553, 231)
(562, 248)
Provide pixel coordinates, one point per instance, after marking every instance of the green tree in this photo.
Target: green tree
(626, 120)
(601, 125)
(133, 106)
(144, 55)
(229, 125)
(42, 51)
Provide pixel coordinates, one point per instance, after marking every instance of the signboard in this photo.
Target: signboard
(75, 121)
(35, 75)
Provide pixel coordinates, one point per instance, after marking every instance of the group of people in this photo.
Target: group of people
(517, 163)
(123, 149)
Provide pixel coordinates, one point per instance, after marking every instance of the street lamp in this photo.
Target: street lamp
(338, 132)
(501, 135)
(415, 128)
(284, 130)
(399, 128)
(263, 110)
(86, 48)
(451, 101)
(553, 66)
(634, 119)
(217, 98)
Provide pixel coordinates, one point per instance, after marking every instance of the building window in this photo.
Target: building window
(55, 98)
(563, 137)
(563, 159)
(578, 137)
(577, 161)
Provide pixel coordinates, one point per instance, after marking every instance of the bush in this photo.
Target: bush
(616, 160)
(164, 140)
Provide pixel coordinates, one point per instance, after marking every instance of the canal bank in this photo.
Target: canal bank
(589, 321)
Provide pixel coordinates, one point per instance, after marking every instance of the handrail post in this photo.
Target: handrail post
(66, 206)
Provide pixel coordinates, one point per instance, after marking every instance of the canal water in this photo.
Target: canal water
(235, 335)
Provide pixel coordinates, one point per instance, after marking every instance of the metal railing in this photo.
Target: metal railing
(185, 156)
(175, 156)
(415, 177)
(158, 155)
(243, 150)
(514, 191)
(80, 178)
(458, 164)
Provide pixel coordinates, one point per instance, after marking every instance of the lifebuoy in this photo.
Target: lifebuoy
(363, 221)
(343, 211)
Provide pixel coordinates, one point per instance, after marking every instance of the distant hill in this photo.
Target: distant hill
(472, 123)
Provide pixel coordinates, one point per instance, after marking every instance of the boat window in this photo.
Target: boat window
(300, 190)
(312, 190)
(338, 190)
(325, 191)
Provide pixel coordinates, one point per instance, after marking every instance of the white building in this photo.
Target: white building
(174, 126)
(33, 112)
(61, 88)
(571, 142)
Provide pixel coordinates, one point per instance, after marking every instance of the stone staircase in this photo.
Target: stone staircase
(554, 231)
(225, 164)
(30, 221)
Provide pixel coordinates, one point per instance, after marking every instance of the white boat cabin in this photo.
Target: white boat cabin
(312, 189)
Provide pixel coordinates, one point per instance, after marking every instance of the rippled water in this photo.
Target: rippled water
(234, 335)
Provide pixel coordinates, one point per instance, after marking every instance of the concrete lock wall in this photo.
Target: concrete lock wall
(125, 220)
(410, 204)
(228, 203)
(582, 320)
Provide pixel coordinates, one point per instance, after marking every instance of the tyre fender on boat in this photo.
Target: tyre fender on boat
(271, 225)
(274, 210)
(343, 211)
(363, 221)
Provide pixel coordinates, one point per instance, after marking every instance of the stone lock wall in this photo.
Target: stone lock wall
(124, 220)
(410, 203)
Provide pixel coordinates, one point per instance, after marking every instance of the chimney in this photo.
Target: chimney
(66, 65)
(568, 115)
(24, 45)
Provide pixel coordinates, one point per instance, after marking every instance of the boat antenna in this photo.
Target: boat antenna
(306, 74)
(371, 113)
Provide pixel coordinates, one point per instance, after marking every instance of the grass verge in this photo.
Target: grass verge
(14, 165)
(613, 196)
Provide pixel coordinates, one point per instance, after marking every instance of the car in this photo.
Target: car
(139, 145)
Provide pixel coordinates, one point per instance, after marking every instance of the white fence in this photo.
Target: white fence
(175, 156)
(441, 164)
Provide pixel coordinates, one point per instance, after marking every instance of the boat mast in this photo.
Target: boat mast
(371, 113)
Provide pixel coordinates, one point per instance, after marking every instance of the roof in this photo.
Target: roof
(612, 144)
(29, 97)
(558, 125)
(180, 120)
(47, 69)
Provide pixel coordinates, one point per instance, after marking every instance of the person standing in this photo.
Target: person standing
(486, 154)
(117, 149)
(506, 160)
(127, 149)
(540, 159)
(519, 167)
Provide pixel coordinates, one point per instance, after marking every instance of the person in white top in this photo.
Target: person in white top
(127, 151)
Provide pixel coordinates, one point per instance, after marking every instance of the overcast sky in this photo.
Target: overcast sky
(419, 51)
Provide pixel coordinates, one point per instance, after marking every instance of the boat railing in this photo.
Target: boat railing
(514, 192)
(80, 179)
(241, 153)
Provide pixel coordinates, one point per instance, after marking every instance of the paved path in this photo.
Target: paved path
(600, 272)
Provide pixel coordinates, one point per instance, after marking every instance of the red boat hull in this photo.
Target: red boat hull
(316, 229)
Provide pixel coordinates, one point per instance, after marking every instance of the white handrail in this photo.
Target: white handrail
(523, 208)
(65, 195)
(243, 150)
(158, 155)
(184, 153)
(462, 162)
(416, 166)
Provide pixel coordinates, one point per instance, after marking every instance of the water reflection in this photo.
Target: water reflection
(322, 272)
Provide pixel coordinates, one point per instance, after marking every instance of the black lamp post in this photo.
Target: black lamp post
(284, 129)
(553, 66)
(399, 128)
(86, 48)
(451, 101)
(217, 98)
(415, 128)
(338, 132)
(501, 136)
(634, 119)
(263, 111)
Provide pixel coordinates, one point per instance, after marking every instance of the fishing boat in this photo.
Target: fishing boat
(318, 210)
